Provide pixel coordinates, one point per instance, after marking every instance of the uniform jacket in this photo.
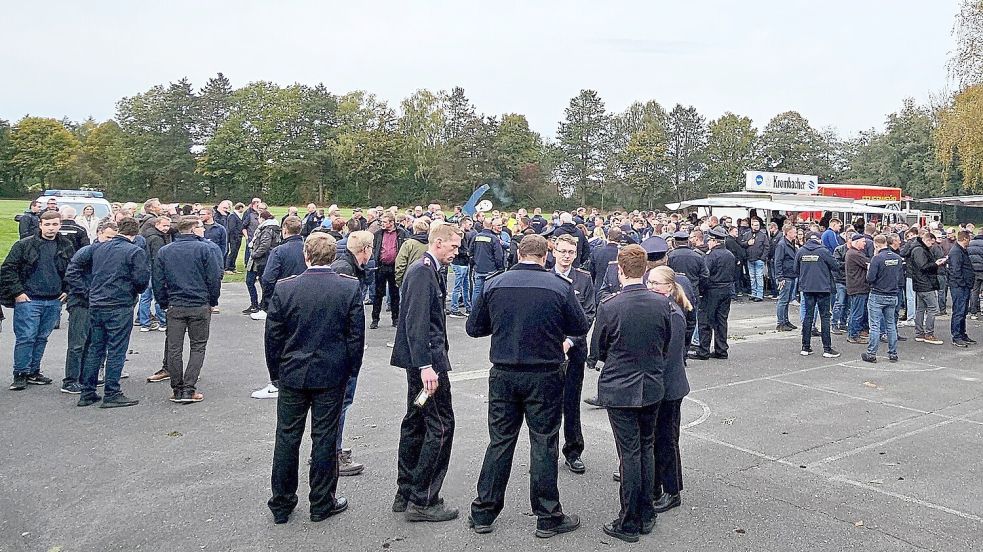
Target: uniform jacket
(528, 311)
(961, 273)
(411, 251)
(691, 263)
(721, 268)
(487, 253)
(634, 336)
(816, 268)
(117, 272)
(187, 273)
(286, 259)
(583, 288)
(922, 269)
(421, 333)
(599, 260)
(676, 383)
(322, 355)
(21, 261)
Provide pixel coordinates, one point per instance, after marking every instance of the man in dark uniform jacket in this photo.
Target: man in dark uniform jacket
(601, 257)
(487, 257)
(565, 250)
(427, 431)
(685, 260)
(528, 311)
(715, 297)
(634, 327)
(314, 363)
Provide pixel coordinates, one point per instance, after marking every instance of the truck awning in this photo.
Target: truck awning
(783, 202)
(964, 201)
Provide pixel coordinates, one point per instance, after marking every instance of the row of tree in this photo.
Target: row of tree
(300, 143)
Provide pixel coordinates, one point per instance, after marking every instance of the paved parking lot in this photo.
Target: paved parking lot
(780, 453)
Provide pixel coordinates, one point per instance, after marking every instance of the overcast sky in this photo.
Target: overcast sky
(841, 63)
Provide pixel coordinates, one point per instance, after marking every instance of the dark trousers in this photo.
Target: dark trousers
(109, 334)
(267, 293)
(78, 343)
(960, 305)
(974, 296)
(291, 417)
(251, 278)
(668, 467)
(634, 435)
(513, 396)
(195, 321)
(230, 258)
(815, 301)
(425, 439)
(385, 275)
(593, 352)
(714, 310)
(573, 384)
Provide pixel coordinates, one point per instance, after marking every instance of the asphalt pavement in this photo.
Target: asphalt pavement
(780, 452)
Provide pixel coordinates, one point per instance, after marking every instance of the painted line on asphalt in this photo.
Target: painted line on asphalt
(469, 375)
(763, 378)
(703, 417)
(858, 450)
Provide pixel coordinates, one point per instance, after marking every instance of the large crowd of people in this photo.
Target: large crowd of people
(657, 289)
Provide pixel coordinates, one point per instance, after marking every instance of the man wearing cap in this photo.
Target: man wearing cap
(685, 260)
(816, 269)
(715, 291)
(565, 250)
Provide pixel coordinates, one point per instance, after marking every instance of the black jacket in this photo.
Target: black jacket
(785, 260)
(721, 269)
(885, 275)
(286, 259)
(463, 257)
(117, 272)
(421, 333)
(265, 239)
(21, 261)
(346, 264)
(816, 268)
(75, 233)
(922, 268)
(975, 251)
(759, 250)
(514, 246)
(684, 260)
(487, 253)
(401, 236)
(599, 260)
(233, 225)
(839, 255)
(155, 241)
(322, 355)
(28, 224)
(583, 288)
(961, 273)
(187, 273)
(634, 329)
(676, 383)
(528, 311)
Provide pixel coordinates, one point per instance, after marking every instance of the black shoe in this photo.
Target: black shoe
(576, 465)
(118, 401)
(593, 402)
(614, 530)
(616, 477)
(434, 513)
(721, 356)
(280, 519)
(837, 331)
(697, 356)
(19, 383)
(892, 358)
(374, 325)
(37, 378)
(902, 338)
(400, 503)
(340, 505)
(88, 400)
(456, 314)
(867, 357)
(480, 529)
(569, 523)
(969, 340)
(757, 299)
(648, 526)
(816, 333)
(791, 326)
(666, 502)
(783, 328)
(960, 343)
(251, 309)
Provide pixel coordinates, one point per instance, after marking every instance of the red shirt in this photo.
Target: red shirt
(389, 250)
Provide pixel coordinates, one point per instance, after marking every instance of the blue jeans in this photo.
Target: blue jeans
(858, 315)
(109, 336)
(909, 293)
(349, 397)
(841, 306)
(143, 311)
(784, 297)
(461, 296)
(251, 288)
(479, 286)
(960, 305)
(757, 272)
(34, 321)
(881, 310)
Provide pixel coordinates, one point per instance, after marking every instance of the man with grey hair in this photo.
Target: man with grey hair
(71, 229)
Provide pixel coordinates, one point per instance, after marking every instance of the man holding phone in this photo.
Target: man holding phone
(925, 282)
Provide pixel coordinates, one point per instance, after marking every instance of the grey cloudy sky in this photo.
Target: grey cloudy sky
(841, 63)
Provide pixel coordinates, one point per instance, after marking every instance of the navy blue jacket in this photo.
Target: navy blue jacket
(21, 262)
(721, 269)
(117, 272)
(233, 227)
(322, 355)
(421, 333)
(816, 268)
(599, 260)
(187, 273)
(684, 260)
(286, 259)
(961, 272)
(487, 253)
(218, 235)
(634, 333)
(676, 383)
(528, 311)
(785, 260)
(886, 272)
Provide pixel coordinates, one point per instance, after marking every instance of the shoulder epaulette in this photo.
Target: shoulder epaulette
(494, 274)
(582, 271)
(609, 297)
(344, 276)
(564, 278)
(286, 279)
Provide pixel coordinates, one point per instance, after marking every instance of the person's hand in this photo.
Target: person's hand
(63, 297)
(750, 241)
(566, 346)
(429, 377)
(781, 285)
(22, 298)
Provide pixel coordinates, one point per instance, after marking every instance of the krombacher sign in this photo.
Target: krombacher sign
(756, 181)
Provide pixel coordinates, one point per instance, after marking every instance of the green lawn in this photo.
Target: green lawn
(9, 208)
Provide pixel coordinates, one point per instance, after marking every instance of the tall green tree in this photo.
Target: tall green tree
(687, 140)
(790, 144)
(584, 141)
(731, 150)
(44, 152)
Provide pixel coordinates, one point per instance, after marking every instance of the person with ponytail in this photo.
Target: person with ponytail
(668, 468)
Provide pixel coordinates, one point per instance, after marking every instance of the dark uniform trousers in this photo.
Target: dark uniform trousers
(292, 407)
(514, 395)
(425, 439)
(634, 435)
(385, 275)
(668, 467)
(593, 353)
(573, 385)
(714, 310)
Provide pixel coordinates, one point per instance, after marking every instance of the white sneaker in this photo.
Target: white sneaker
(906, 324)
(259, 315)
(268, 392)
(144, 328)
